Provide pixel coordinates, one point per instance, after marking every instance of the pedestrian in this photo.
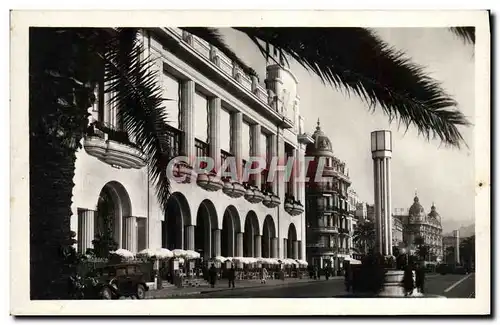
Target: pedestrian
(231, 276)
(212, 275)
(408, 280)
(327, 272)
(420, 278)
(348, 278)
(263, 275)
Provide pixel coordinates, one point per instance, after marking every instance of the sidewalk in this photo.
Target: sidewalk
(222, 285)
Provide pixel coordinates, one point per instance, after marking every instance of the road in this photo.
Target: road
(450, 286)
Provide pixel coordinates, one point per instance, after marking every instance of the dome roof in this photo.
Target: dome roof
(433, 213)
(322, 145)
(416, 208)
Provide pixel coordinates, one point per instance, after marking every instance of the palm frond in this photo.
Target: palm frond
(467, 34)
(136, 93)
(356, 60)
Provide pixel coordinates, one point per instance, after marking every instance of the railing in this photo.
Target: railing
(201, 151)
(264, 185)
(224, 63)
(325, 229)
(172, 142)
(224, 155)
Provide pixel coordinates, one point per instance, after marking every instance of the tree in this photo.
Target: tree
(422, 249)
(364, 237)
(468, 251)
(65, 64)
(366, 66)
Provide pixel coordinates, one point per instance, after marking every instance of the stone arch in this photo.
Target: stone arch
(206, 222)
(113, 205)
(250, 231)
(231, 226)
(177, 217)
(268, 233)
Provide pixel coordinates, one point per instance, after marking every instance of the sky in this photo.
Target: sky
(439, 174)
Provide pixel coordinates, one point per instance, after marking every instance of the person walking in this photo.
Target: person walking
(408, 280)
(231, 276)
(263, 275)
(326, 270)
(212, 275)
(420, 278)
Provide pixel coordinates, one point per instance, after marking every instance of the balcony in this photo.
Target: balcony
(208, 180)
(213, 60)
(322, 187)
(325, 230)
(112, 147)
(271, 200)
(343, 231)
(293, 207)
(329, 171)
(326, 208)
(253, 194)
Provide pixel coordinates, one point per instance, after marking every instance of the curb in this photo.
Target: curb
(261, 286)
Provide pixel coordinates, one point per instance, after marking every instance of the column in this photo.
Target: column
(207, 244)
(86, 229)
(189, 235)
(378, 219)
(300, 255)
(274, 153)
(257, 246)
(239, 244)
(295, 172)
(216, 242)
(274, 247)
(214, 131)
(256, 150)
(389, 205)
(236, 141)
(131, 234)
(295, 249)
(285, 248)
(187, 118)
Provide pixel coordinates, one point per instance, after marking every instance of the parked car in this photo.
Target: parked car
(121, 280)
(451, 269)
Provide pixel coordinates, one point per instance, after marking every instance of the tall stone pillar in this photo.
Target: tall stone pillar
(285, 248)
(256, 150)
(381, 147)
(236, 141)
(189, 235)
(207, 245)
(216, 244)
(273, 144)
(239, 244)
(295, 250)
(131, 234)
(214, 131)
(86, 229)
(188, 118)
(274, 247)
(257, 246)
(456, 234)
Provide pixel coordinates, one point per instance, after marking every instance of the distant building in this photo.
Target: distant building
(416, 223)
(370, 212)
(361, 212)
(397, 231)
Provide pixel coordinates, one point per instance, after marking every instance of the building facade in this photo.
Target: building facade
(397, 231)
(426, 226)
(329, 221)
(215, 110)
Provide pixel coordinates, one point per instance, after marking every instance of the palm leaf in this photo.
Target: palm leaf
(136, 93)
(467, 34)
(356, 60)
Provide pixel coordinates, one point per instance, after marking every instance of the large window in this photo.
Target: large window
(201, 117)
(171, 94)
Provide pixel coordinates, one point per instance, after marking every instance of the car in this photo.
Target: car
(121, 280)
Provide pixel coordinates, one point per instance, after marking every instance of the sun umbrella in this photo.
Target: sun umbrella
(123, 253)
(179, 253)
(164, 253)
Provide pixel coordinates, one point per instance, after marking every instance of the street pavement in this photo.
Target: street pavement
(450, 286)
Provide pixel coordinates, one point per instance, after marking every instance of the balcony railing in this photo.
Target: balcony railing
(325, 229)
(172, 142)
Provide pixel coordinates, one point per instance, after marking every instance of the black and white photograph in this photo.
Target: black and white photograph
(267, 164)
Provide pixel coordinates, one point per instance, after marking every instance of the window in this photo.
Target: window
(171, 94)
(141, 233)
(225, 130)
(201, 117)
